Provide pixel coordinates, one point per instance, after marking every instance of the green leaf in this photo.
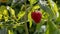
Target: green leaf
(20, 14)
(52, 28)
(47, 30)
(2, 7)
(54, 7)
(57, 22)
(1, 11)
(5, 13)
(35, 7)
(33, 1)
(48, 10)
(30, 19)
(1, 15)
(40, 24)
(12, 12)
(10, 32)
(20, 29)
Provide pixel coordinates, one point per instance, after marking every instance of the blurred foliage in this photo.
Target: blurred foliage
(13, 12)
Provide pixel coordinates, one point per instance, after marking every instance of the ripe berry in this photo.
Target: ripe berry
(36, 16)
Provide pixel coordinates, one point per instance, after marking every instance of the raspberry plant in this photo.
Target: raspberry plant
(16, 17)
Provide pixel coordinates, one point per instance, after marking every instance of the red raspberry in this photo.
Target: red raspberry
(36, 16)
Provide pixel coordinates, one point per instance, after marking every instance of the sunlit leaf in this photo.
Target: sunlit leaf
(17, 24)
(30, 19)
(5, 13)
(2, 12)
(53, 6)
(48, 10)
(10, 32)
(1, 15)
(33, 1)
(20, 14)
(35, 7)
(6, 18)
(12, 12)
